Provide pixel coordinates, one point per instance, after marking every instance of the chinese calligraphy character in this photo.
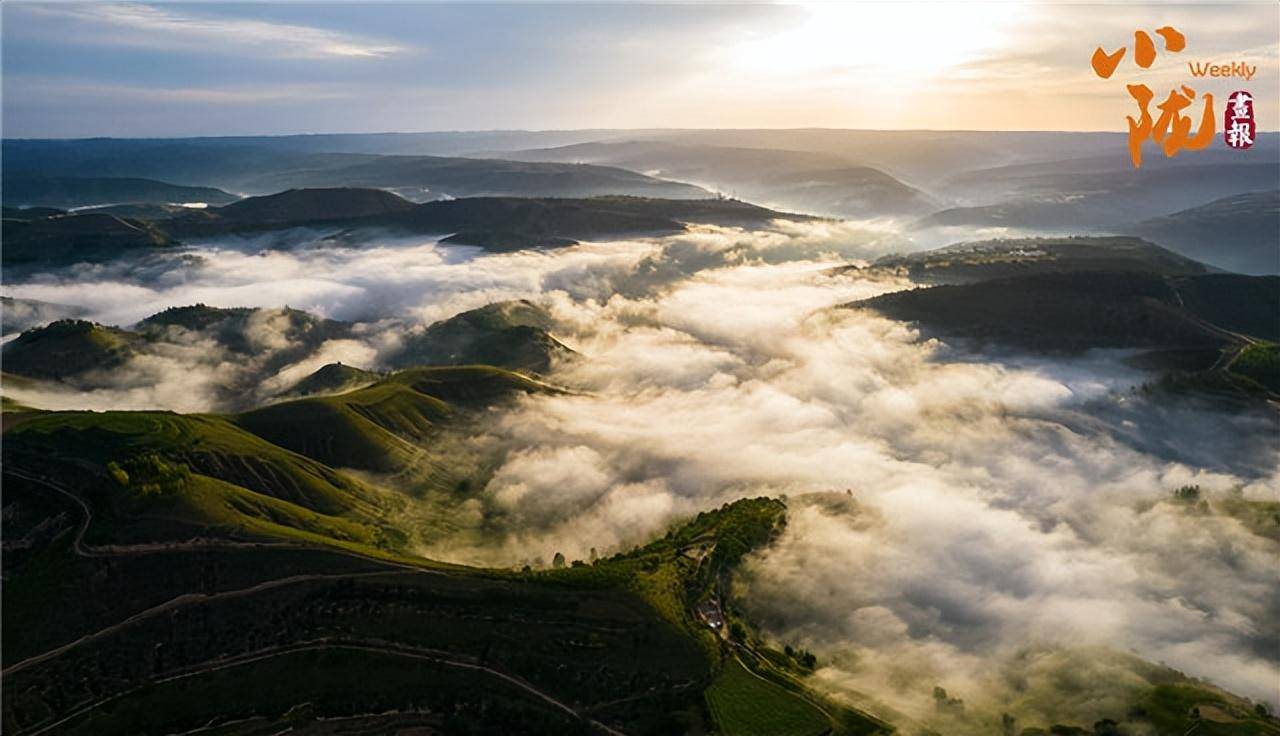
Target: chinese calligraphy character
(1172, 130)
(1239, 127)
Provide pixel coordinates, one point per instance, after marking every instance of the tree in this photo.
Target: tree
(558, 561)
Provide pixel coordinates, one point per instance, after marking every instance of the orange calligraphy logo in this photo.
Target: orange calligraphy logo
(1172, 130)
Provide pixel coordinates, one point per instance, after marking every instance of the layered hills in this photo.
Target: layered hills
(73, 238)
(495, 223)
(260, 167)
(1065, 295)
(513, 335)
(987, 259)
(1239, 233)
(803, 180)
(227, 545)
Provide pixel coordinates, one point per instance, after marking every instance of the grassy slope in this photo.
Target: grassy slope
(156, 476)
(388, 426)
(581, 634)
(1261, 363)
(743, 704)
(511, 334)
(67, 347)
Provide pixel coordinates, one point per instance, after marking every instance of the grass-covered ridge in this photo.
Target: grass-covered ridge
(160, 477)
(389, 425)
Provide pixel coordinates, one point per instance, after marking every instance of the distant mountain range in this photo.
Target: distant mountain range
(802, 180)
(1238, 233)
(85, 191)
(261, 169)
(495, 223)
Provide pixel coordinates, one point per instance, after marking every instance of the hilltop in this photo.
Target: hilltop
(972, 261)
(68, 347)
(332, 378)
(514, 335)
(387, 426)
(313, 205)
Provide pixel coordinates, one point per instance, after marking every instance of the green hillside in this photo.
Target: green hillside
(511, 334)
(577, 650)
(66, 348)
(333, 378)
(390, 426)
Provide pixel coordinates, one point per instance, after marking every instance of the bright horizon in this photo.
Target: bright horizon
(135, 70)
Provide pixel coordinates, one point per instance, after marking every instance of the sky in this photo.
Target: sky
(184, 69)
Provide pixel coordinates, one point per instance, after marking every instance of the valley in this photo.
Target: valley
(479, 434)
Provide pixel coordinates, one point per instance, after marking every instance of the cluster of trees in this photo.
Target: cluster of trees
(149, 474)
(803, 657)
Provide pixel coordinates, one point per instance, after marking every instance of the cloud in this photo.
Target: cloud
(999, 525)
(44, 90)
(150, 26)
(1006, 514)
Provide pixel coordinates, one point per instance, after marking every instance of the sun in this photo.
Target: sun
(900, 39)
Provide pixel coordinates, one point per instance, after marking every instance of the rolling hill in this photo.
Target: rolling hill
(514, 335)
(20, 315)
(313, 205)
(496, 223)
(988, 259)
(510, 335)
(801, 180)
(1064, 312)
(65, 239)
(386, 426)
(1239, 233)
(265, 165)
(1099, 197)
(87, 191)
(203, 551)
(68, 347)
(333, 378)
(433, 177)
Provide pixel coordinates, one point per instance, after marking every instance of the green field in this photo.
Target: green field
(743, 704)
(1260, 362)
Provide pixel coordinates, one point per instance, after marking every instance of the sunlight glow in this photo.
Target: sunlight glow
(901, 40)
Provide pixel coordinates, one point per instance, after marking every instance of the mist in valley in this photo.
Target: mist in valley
(998, 524)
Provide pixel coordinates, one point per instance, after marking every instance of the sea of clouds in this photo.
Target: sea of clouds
(999, 525)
